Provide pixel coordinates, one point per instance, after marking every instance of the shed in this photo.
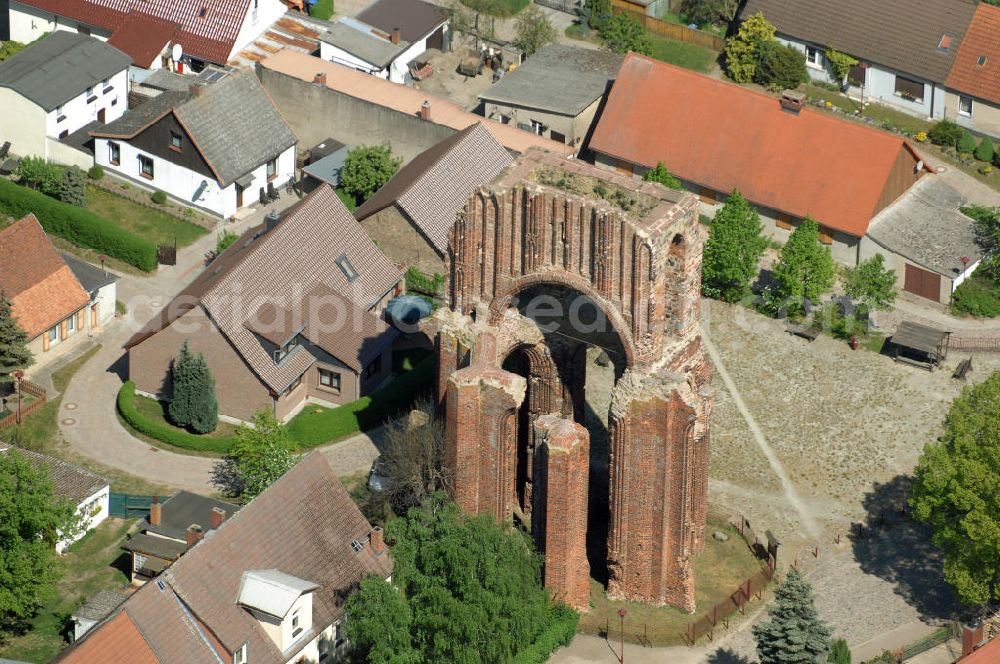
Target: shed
(920, 345)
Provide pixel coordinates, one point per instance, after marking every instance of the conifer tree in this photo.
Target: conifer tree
(734, 247)
(795, 634)
(204, 405)
(14, 353)
(181, 405)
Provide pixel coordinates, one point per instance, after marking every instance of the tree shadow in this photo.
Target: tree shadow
(227, 478)
(726, 656)
(894, 547)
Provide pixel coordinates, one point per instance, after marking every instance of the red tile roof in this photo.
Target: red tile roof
(987, 654)
(143, 37)
(117, 642)
(982, 40)
(41, 287)
(211, 37)
(724, 137)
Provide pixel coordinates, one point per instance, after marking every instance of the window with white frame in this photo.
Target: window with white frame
(71, 324)
(54, 334)
(296, 627)
(965, 106)
(283, 352)
(272, 169)
(814, 56)
(240, 656)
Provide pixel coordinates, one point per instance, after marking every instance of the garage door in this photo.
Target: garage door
(436, 40)
(922, 282)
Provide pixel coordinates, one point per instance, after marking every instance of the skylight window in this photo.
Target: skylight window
(945, 42)
(203, 12)
(345, 266)
(982, 60)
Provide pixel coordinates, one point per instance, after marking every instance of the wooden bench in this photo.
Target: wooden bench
(963, 368)
(804, 331)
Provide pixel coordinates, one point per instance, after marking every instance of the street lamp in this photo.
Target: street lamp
(19, 375)
(622, 612)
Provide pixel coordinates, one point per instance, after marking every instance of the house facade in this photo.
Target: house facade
(290, 314)
(905, 49)
(972, 97)
(216, 147)
(386, 37)
(57, 299)
(56, 87)
(268, 585)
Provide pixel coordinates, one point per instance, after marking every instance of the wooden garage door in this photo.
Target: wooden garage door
(923, 283)
(436, 40)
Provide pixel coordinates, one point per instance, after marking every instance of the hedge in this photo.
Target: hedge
(555, 636)
(163, 432)
(314, 427)
(81, 227)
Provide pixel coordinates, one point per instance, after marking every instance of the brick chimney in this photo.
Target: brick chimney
(425, 111)
(320, 78)
(218, 516)
(377, 541)
(194, 534)
(394, 36)
(972, 636)
(155, 511)
(195, 90)
(793, 101)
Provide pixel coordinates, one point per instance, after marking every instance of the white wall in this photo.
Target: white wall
(23, 123)
(28, 24)
(261, 14)
(341, 57)
(99, 501)
(112, 98)
(105, 302)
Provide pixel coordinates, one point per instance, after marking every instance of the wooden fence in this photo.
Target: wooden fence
(974, 344)
(671, 30)
(20, 411)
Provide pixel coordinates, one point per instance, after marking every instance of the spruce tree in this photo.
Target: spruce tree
(795, 634)
(840, 652)
(182, 404)
(734, 247)
(805, 269)
(204, 406)
(14, 353)
(73, 187)
(985, 150)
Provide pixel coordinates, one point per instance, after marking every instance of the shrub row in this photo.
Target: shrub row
(163, 432)
(310, 428)
(79, 226)
(558, 634)
(976, 296)
(424, 284)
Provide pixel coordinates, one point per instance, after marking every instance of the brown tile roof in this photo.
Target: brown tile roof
(68, 480)
(143, 37)
(902, 35)
(727, 137)
(117, 642)
(414, 18)
(436, 184)
(285, 265)
(343, 329)
(41, 287)
(404, 99)
(981, 44)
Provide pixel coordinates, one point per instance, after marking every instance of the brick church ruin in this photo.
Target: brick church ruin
(552, 258)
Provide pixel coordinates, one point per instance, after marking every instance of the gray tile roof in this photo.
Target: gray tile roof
(185, 508)
(91, 277)
(164, 79)
(100, 605)
(902, 35)
(136, 119)
(370, 48)
(69, 481)
(60, 67)
(558, 78)
(161, 547)
(435, 186)
(926, 227)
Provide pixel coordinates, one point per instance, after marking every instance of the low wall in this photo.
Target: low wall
(61, 153)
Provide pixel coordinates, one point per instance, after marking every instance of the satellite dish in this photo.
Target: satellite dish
(176, 52)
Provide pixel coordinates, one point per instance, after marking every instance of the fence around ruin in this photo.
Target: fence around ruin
(671, 30)
(21, 410)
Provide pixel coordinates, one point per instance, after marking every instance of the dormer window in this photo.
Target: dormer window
(240, 656)
(283, 352)
(296, 627)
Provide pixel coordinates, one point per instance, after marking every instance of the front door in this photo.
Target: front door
(239, 197)
(100, 116)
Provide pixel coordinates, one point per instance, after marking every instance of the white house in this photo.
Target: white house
(56, 87)
(215, 147)
(89, 492)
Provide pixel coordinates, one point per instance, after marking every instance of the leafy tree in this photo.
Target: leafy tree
(625, 33)
(14, 353)
(534, 30)
(181, 405)
(662, 175)
(840, 652)
(742, 48)
(259, 456)
(985, 150)
(805, 269)
(716, 12)
(366, 169)
(871, 283)
(954, 491)
(32, 520)
(734, 247)
(73, 187)
(780, 66)
(795, 634)
(472, 586)
(9, 48)
(380, 623)
(413, 457)
(204, 405)
(597, 13)
(37, 173)
(967, 143)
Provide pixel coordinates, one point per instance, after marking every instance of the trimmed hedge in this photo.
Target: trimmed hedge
(79, 226)
(163, 432)
(555, 636)
(310, 428)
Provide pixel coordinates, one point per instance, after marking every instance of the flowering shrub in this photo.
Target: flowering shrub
(920, 136)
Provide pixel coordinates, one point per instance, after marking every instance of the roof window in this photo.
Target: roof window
(981, 61)
(345, 266)
(945, 42)
(203, 12)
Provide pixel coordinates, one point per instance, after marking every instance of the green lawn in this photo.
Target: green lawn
(506, 7)
(151, 224)
(877, 112)
(682, 54)
(89, 566)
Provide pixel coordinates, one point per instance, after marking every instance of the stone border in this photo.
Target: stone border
(141, 196)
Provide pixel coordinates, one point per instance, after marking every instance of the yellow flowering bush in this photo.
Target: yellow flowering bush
(920, 136)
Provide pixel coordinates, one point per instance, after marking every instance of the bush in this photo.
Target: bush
(840, 652)
(323, 10)
(81, 227)
(624, 33)
(967, 143)
(556, 635)
(945, 132)
(164, 433)
(95, 172)
(347, 199)
(985, 150)
(41, 175)
(159, 197)
(418, 282)
(73, 187)
(223, 240)
(366, 169)
(976, 296)
(780, 66)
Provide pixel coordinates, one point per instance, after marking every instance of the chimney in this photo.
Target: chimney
(218, 516)
(394, 36)
(320, 78)
(425, 111)
(793, 101)
(155, 511)
(972, 636)
(195, 90)
(377, 540)
(194, 534)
